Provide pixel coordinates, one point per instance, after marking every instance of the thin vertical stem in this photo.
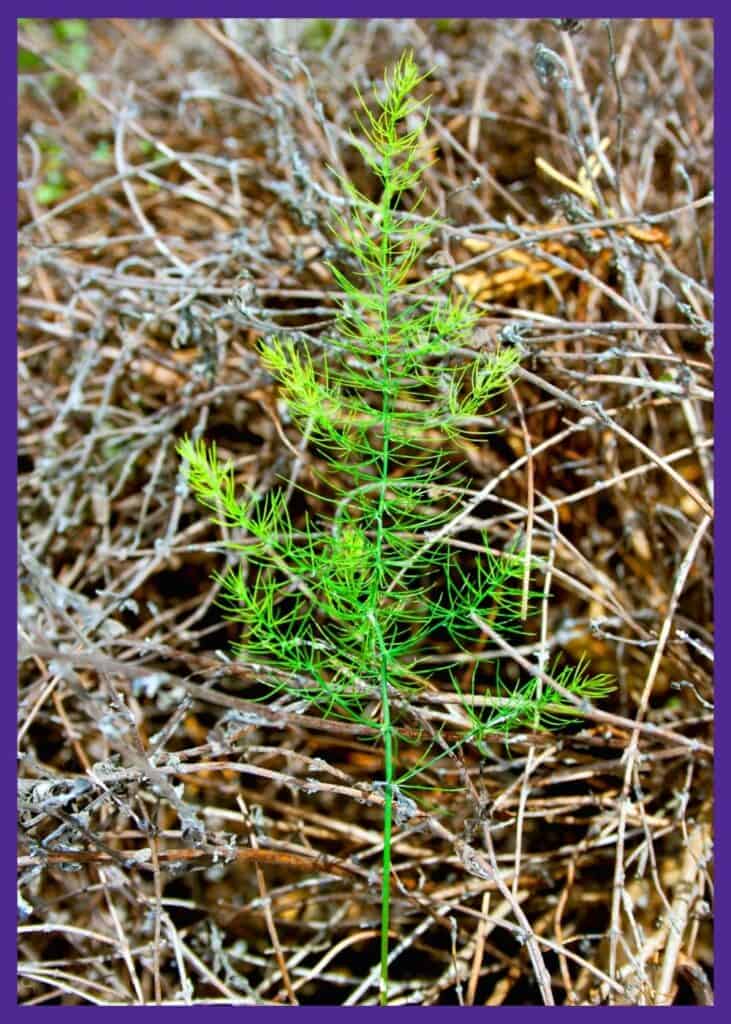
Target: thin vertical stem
(387, 734)
(377, 591)
(387, 829)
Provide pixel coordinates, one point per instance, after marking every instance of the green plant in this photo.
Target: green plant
(348, 606)
(55, 184)
(67, 43)
(317, 33)
(71, 46)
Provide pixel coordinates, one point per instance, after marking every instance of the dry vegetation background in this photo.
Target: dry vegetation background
(179, 843)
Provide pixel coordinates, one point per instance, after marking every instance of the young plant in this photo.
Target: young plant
(347, 607)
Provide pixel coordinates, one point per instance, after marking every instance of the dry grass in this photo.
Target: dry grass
(179, 843)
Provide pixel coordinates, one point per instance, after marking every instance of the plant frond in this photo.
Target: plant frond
(342, 611)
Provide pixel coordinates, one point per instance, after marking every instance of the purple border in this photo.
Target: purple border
(322, 8)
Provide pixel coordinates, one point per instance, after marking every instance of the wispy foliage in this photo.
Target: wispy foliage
(349, 605)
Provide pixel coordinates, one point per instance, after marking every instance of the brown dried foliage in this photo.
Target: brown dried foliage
(181, 843)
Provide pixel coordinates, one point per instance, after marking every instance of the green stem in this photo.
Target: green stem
(379, 581)
(387, 733)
